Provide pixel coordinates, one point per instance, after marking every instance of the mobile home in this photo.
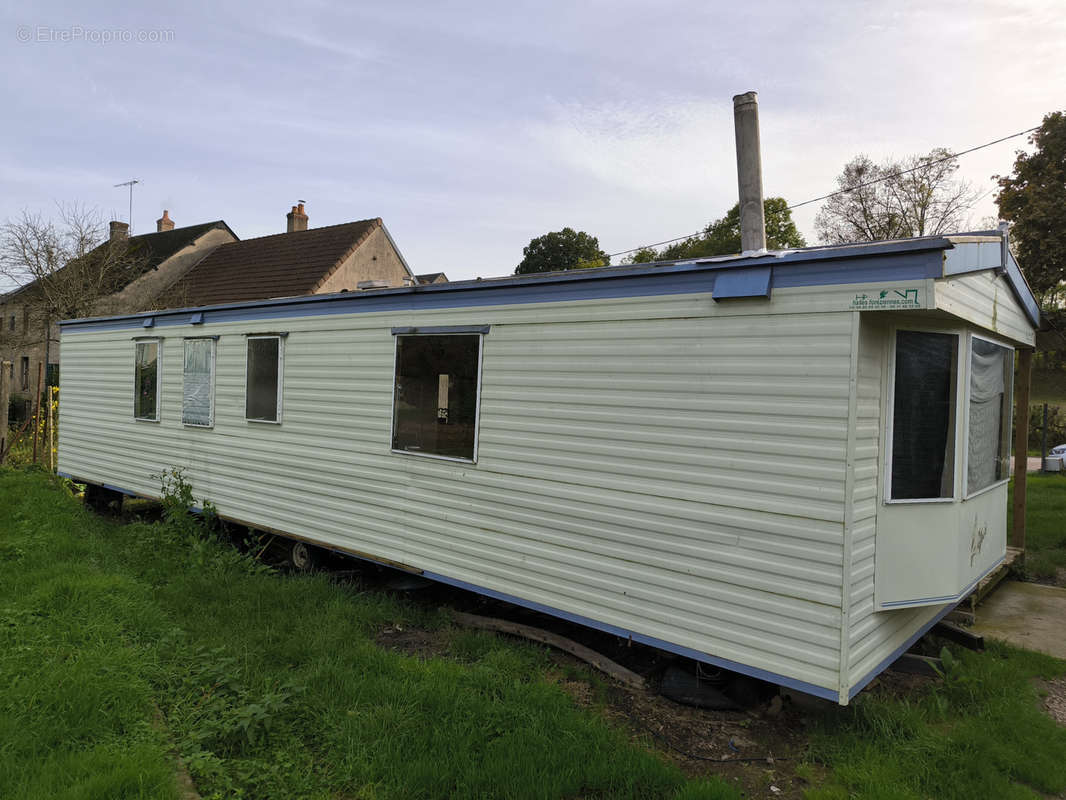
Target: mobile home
(788, 464)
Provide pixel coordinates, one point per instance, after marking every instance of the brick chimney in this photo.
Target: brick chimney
(164, 223)
(119, 230)
(297, 219)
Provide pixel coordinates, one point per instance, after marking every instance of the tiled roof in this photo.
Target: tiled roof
(282, 265)
(158, 247)
(145, 252)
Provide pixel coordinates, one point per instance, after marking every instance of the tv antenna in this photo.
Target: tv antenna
(131, 184)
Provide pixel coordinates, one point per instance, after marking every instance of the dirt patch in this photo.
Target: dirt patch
(415, 642)
(1055, 702)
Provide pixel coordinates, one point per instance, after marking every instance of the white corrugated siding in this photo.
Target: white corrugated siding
(873, 635)
(679, 473)
(985, 299)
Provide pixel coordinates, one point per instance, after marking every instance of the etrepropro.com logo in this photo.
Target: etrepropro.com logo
(70, 34)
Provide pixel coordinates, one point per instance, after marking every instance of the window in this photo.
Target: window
(435, 400)
(263, 390)
(988, 430)
(198, 383)
(923, 416)
(24, 372)
(146, 381)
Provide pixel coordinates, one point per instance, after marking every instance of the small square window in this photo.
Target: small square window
(435, 399)
(923, 416)
(198, 383)
(264, 379)
(146, 381)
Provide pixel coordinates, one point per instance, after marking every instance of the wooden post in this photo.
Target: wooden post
(1021, 446)
(37, 409)
(5, 400)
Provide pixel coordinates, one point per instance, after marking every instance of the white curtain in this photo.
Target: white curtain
(196, 387)
(988, 390)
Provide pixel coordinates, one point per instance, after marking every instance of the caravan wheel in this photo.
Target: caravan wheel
(304, 557)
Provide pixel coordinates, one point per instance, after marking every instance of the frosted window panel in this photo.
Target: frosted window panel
(988, 445)
(197, 401)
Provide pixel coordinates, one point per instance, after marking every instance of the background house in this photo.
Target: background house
(123, 274)
(301, 261)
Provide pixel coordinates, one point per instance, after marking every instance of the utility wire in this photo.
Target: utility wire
(851, 188)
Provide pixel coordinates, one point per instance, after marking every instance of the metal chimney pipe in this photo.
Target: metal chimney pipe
(749, 171)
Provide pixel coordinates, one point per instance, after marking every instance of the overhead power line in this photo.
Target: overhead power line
(854, 188)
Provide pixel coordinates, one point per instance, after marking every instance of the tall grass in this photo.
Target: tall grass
(270, 686)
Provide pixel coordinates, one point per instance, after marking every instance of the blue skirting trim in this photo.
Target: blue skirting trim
(903, 648)
(670, 647)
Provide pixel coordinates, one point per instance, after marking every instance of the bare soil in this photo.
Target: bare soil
(1055, 701)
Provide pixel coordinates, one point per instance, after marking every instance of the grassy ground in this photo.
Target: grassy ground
(272, 686)
(1045, 523)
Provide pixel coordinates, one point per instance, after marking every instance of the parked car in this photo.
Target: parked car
(1057, 452)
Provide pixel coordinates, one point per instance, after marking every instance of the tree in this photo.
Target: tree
(1033, 200)
(61, 268)
(561, 250)
(918, 196)
(722, 236)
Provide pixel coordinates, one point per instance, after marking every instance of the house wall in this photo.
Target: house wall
(668, 466)
(374, 260)
(27, 340)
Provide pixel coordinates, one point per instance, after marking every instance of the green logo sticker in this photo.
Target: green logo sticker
(886, 300)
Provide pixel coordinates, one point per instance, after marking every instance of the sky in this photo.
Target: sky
(470, 128)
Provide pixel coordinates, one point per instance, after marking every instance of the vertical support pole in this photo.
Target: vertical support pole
(37, 410)
(5, 400)
(1021, 447)
(1043, 439)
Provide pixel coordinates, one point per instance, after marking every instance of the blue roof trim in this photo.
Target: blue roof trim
(748, 282)
(815, 268)
(1022, 291)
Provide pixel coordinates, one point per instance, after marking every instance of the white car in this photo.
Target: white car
(1057, 452)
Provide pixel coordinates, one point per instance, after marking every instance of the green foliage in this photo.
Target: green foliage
(1033, 200)
(981, 733)
(1045, 536)
(1056, 426)
(562, 250)
(722, 236)
(269, 685)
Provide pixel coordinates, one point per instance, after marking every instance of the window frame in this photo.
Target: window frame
(400, 333)
(248, 337)
(214, 355)
(966, 493)
(158, 341)
(961, 377)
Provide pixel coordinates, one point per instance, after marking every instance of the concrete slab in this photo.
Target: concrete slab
(1028, 615)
